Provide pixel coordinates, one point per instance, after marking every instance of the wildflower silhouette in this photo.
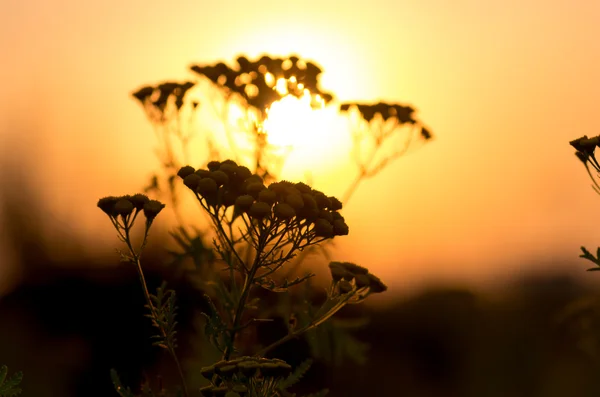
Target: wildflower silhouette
(585, 148)
(275, 222)
(263, 227)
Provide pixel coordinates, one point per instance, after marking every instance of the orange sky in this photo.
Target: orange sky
(504, 85)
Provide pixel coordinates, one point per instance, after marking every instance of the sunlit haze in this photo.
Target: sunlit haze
(503, 86)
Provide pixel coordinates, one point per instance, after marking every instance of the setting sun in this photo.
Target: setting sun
(293, 122)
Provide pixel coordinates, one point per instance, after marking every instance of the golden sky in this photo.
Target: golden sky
(504, 85)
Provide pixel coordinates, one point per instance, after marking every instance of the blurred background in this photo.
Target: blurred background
(476, 234)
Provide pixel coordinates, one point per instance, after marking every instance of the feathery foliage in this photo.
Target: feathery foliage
(9, 385)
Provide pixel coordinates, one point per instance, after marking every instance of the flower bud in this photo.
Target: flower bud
(340, 228)
(243, 172)
(123, 207)
(323, 228)
(259, 210)
(191, 181)
(213, 165)
(254, 188)
(322, 200)
(362, 280)
(229, 197)
(220, 177)
(337, 215)
(267, 196)
(325, 214)
(152, 208)
(253, 179)
(336, 204)
(295, 201)
(375, 284)
(203, 173)
(206, 186)
(185, 171)
(283, 211)
(107, 205)
(303, 187)
(311, 215)
(139, 200)
(309, 201)
(228, 169)
(244, 202)
(337, 271)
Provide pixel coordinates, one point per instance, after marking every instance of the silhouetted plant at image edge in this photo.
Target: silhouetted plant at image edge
(583, 316)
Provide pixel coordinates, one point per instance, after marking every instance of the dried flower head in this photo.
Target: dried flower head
(303, 187)
(206, 186)
(283, 211)
(123, 207)
(309, 201)
(213, 165)
(362, 280)
(220, 177)
(335, 204)
(107, 204)
(259, 210)
(139, 200)
(185, 171)
(254, 188)
(322, 200)
(152, 208)
(191, 181)
(375, 284)
(243, 172)
(340, 228)
(323, 228)
(229, 169)
(244, 202)
(338, 272)
(267, 196)
(327, 215)
(295, 201)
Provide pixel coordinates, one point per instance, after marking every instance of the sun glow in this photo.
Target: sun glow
(316, 135)
(296, 122)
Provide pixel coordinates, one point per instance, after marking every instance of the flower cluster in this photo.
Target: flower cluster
(126, 206)
(585, 148)
(255, 81)
(225, 184)
(349, 278)
(243, 374)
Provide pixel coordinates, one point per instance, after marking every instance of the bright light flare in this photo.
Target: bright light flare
(292, 121)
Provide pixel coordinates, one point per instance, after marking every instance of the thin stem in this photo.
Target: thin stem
(353, 186)
(248, 282)
(170, 348)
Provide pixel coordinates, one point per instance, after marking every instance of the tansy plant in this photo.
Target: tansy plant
(258, 230)
(585, 148)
